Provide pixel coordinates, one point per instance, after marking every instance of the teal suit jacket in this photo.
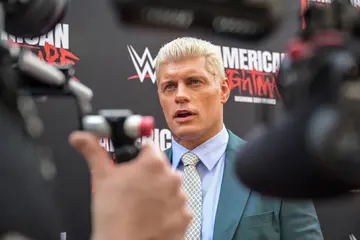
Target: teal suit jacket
(243, 214)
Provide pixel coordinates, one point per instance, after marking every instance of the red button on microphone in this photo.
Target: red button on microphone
(146, 126)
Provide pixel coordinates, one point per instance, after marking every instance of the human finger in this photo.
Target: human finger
(87, 144)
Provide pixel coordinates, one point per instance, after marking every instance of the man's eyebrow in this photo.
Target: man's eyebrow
(196, 76)
(166, 82)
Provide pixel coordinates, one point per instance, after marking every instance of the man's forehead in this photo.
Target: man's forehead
(181, 67)
(181, 71)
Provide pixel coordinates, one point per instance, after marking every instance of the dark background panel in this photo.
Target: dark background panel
(339, 217)
(105, 66)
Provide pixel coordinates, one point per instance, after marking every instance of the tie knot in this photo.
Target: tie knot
(189, 159)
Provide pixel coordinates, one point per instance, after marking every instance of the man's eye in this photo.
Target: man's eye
(169, 86)
(195, 81)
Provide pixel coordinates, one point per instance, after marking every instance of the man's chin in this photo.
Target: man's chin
(188, 133)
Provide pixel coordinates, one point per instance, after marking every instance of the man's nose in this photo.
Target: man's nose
(182, 94)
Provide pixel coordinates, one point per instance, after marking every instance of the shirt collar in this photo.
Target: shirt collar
(209, 152)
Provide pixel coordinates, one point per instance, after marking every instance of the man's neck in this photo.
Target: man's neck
(194, 143)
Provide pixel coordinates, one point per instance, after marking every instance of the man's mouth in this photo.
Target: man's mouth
(183, 114)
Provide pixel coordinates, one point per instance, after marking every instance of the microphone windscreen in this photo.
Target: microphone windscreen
(278, 163)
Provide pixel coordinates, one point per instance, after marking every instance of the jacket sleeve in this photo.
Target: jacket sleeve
(298, 220)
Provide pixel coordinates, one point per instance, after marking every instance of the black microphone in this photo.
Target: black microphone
(280, 162)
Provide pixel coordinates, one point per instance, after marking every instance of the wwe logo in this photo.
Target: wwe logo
(352, 237)
(144, 65)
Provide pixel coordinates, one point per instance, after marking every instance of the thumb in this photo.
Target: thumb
(88, 145)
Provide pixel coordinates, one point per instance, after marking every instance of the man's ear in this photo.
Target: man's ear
(225, 90)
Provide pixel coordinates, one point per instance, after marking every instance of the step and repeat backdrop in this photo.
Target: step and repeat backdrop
(118, 64)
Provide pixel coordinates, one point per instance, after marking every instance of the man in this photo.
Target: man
(136, 200)
(192, 90)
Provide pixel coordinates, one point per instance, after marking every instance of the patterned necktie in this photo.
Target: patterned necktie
(192, 187)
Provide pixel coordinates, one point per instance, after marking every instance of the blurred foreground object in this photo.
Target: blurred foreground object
(244, 19)
(313, 150)
(32, 18)
(27, 203)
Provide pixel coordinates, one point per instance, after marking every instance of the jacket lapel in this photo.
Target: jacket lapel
(168, 153)
(233, 195)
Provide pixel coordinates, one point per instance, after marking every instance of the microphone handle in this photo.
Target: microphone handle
(126, 153)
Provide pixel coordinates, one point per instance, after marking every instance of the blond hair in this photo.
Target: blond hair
(188, 47)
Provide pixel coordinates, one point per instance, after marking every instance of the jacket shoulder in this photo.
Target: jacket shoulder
(235, 140)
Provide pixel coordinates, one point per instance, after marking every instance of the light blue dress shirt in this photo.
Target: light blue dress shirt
(210, 168)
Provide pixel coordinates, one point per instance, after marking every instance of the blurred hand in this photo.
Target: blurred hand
(137, 200)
